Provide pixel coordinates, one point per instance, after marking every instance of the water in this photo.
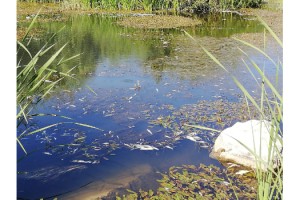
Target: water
(144, 82)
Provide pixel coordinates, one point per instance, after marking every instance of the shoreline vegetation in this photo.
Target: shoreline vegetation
(58, 11)
(167, 7)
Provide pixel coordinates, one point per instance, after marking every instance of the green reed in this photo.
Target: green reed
(270, 106)
(37, 78)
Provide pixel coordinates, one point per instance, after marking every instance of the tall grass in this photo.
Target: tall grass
(270, 107)
(233, 4)
(33, 82)
(151, 5)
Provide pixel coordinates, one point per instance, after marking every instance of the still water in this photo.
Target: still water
(139, 88)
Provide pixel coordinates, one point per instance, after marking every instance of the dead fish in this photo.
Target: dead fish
(75, 150)
(241, 172)
(81, 161)
(47, 153)
(225, 183)
(144, 147)
(149, 132)
(169, 147)
(193, 138)
(233, 165)
(204, 146)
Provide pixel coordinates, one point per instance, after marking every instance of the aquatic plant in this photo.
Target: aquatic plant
(202, 182)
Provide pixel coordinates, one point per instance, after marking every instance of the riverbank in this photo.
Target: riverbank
(137, 18)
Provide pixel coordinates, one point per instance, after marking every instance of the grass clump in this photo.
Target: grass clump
(35, 80)
(175, 6)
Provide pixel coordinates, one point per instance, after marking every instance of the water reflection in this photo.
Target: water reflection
(99, 39)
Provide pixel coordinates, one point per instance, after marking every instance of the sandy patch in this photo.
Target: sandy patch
(99, 189)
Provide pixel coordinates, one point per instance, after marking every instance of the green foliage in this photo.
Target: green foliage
(194, 6)
(235, 4)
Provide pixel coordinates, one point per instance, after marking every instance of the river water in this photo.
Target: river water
(138, 87)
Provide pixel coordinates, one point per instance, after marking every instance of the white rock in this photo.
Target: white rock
(230, 146)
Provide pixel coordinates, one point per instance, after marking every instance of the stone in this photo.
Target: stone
(230, 146)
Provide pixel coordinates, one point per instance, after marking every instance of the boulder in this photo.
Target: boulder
(235, 144)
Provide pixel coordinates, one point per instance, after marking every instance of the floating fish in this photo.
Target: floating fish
(169, 147)
(225, 183)
(241, 172)
(233, 165)
(204, 146)
(149, 132)
(81, 161)
(47, 153)
(144, 147)
(193, 138)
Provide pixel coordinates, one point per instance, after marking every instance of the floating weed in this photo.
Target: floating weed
(202, 182)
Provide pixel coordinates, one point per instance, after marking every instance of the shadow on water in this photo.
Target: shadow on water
(119, 171)
(146, 81)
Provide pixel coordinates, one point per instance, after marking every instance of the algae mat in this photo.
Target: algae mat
(157, 22)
